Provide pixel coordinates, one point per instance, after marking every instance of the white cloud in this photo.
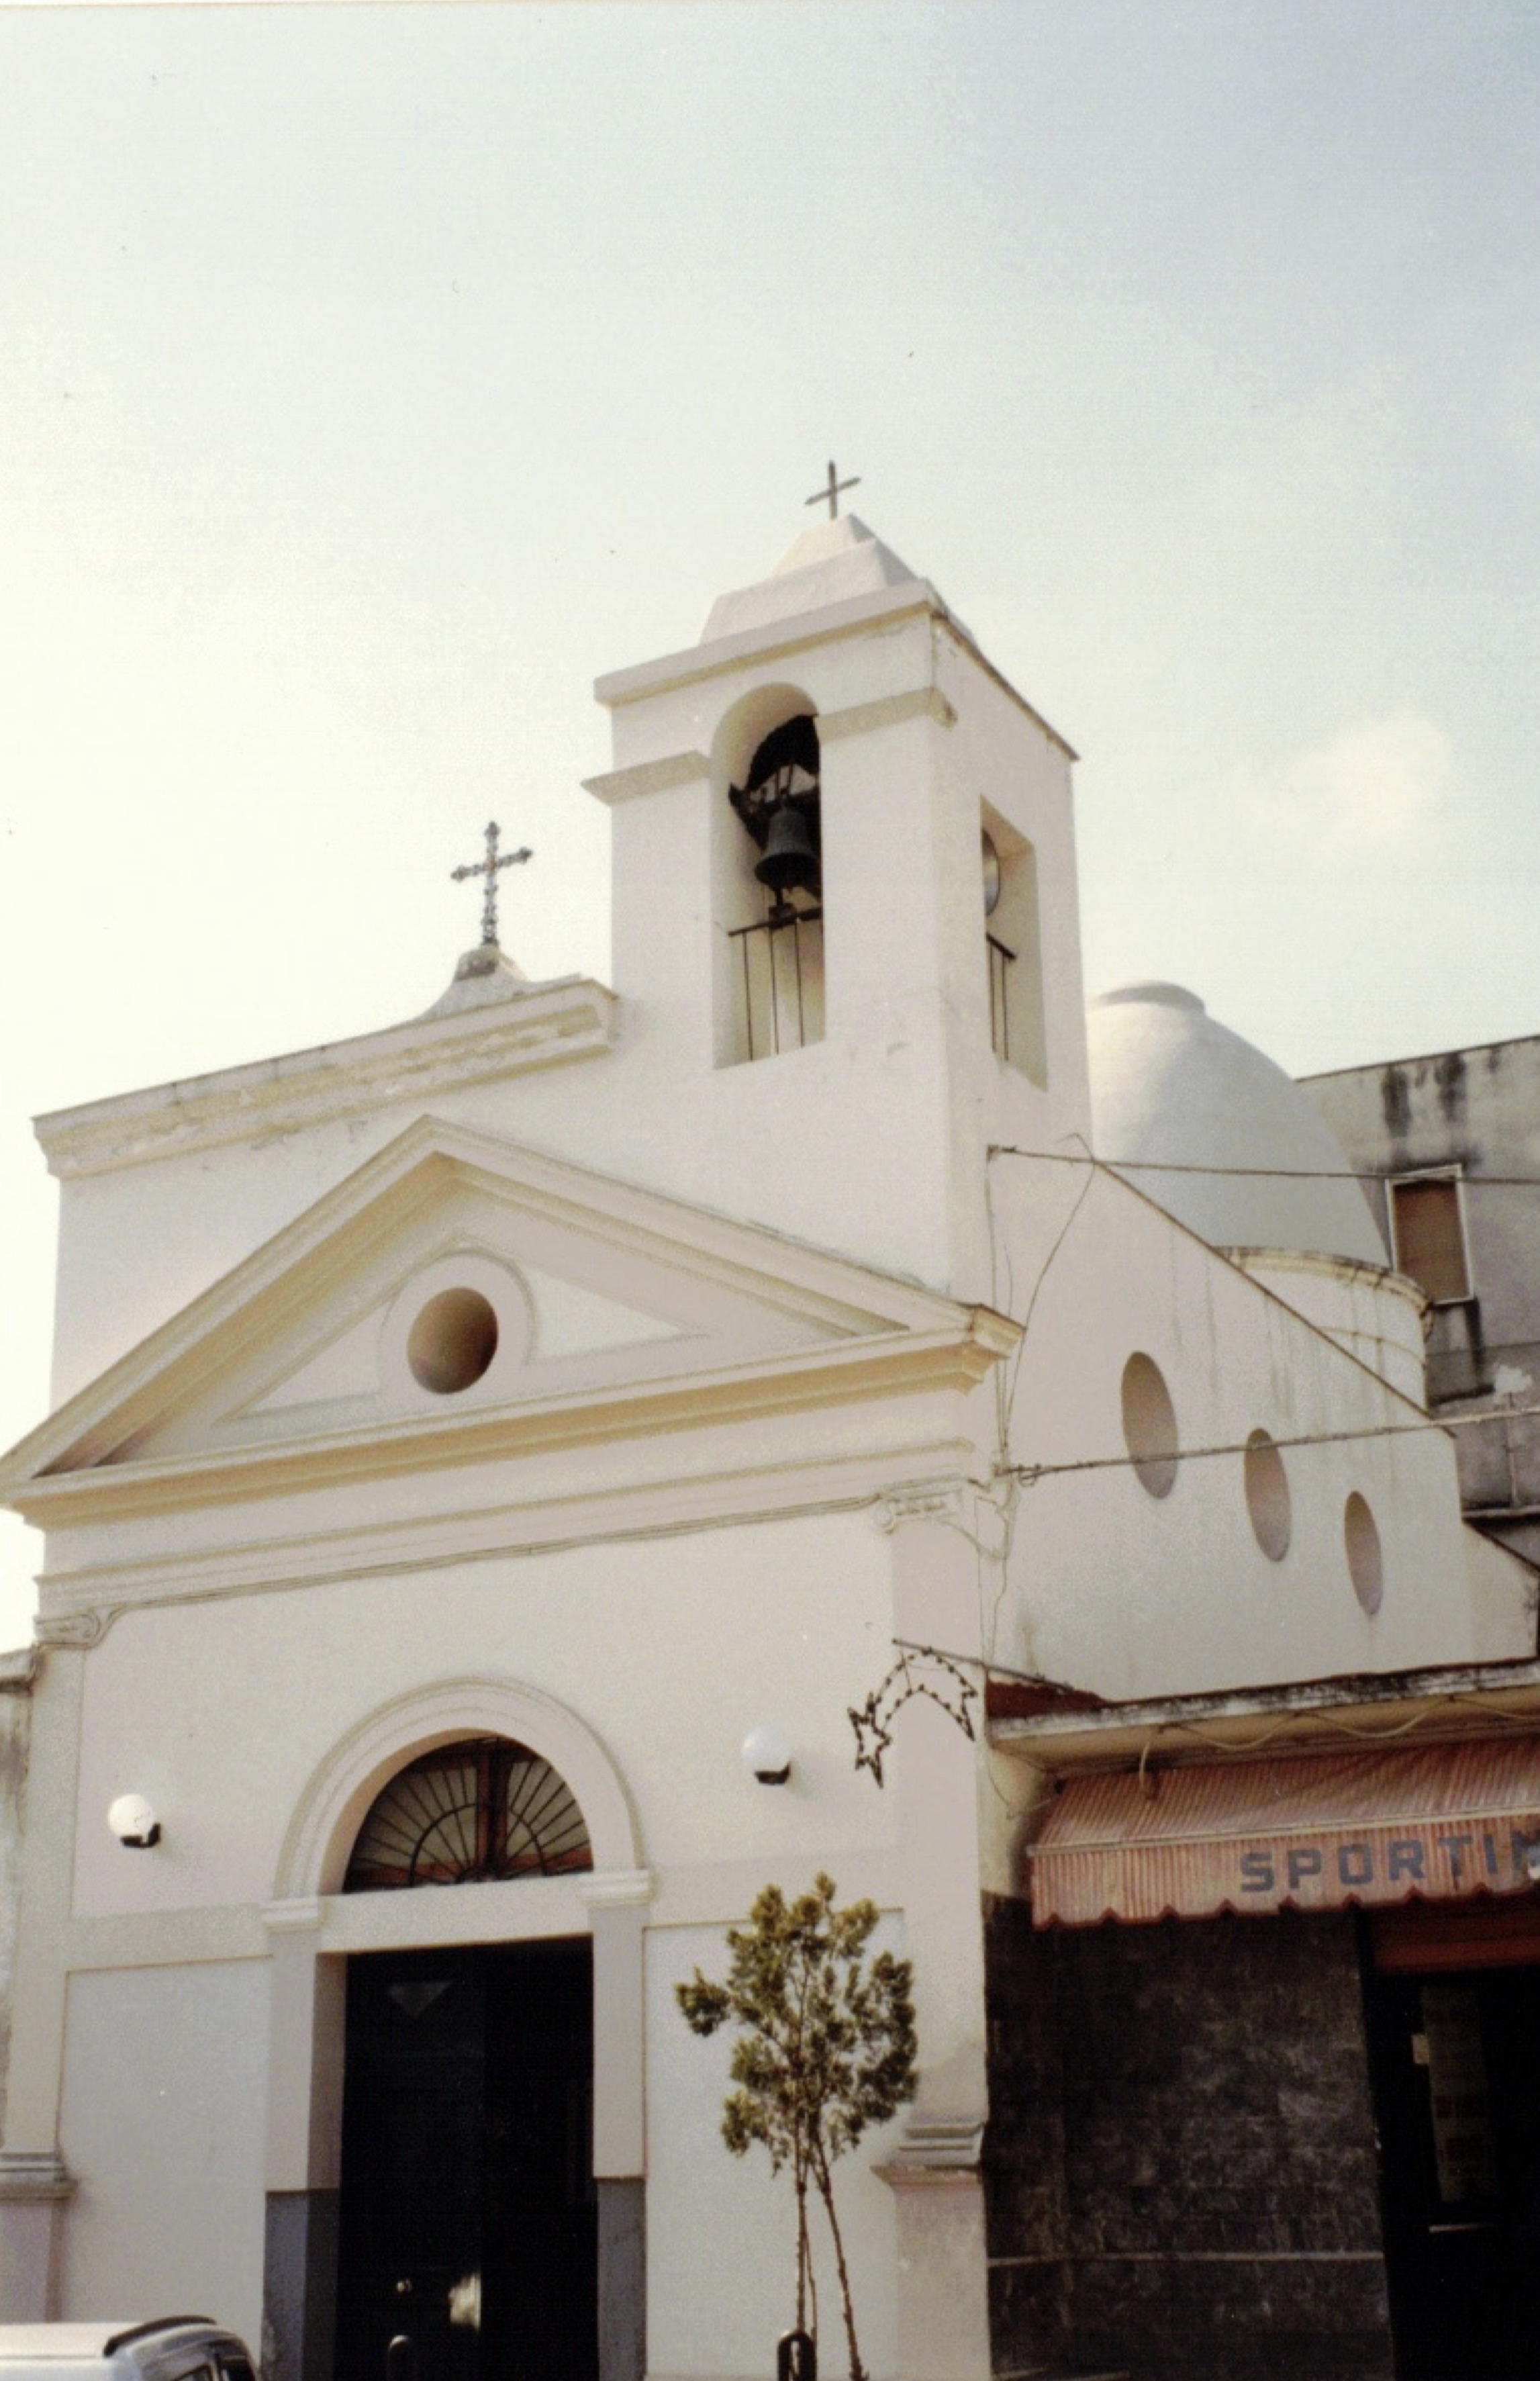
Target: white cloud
(1377, 791)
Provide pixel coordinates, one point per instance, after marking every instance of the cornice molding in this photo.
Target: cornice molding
(673, 769)
(544, 1025)
(885, 607)
(887, 711)
(546, 1524)
(882, 1364)
(648, 777)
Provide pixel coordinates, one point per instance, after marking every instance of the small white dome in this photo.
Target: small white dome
(1169, 1086)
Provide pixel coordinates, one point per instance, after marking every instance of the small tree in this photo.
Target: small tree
(827, 2048)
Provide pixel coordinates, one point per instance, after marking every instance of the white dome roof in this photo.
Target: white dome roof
(1169, 1085)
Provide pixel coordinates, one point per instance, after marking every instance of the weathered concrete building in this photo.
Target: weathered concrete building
(467, 1434)
(1449, 1147)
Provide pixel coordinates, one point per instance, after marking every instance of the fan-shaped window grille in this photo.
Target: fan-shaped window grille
(466, 1814)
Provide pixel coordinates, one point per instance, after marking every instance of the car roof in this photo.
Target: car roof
(78, 2343)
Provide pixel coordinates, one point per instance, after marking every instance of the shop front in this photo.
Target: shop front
(1308, 2146)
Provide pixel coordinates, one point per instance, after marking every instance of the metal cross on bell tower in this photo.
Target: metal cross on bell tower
(489, 868)
(831, 495)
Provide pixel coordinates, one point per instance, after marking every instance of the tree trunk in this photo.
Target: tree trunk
(826, 2191)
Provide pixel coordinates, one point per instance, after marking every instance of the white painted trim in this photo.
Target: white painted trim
(328, 1814)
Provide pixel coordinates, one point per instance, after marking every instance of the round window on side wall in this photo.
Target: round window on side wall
(452, 1341)
(1150, 1425)
(1267, 1499)
(1365, 1560)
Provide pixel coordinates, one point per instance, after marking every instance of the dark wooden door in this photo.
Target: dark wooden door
(469, 2222)
(1457, 2060)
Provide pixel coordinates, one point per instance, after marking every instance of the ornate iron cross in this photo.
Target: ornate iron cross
(489, 868)
(832, 493)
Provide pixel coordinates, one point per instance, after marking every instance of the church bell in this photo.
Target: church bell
(791, 863)
(780, 807)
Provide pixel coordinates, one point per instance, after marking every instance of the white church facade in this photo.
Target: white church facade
(466, 1436)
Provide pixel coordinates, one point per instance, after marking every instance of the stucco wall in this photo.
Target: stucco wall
(165, 2068)
(721, 2233)
(1131, 1594)
(669, 1651)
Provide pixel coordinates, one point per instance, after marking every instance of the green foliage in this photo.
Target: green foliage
(827, 2046)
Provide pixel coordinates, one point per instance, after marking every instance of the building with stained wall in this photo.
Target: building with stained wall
(1450, 1146)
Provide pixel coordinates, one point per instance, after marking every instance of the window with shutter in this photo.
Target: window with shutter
(1428, 1232)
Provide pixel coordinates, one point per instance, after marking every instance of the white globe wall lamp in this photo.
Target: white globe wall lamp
(133, 1822)
(768, 1756)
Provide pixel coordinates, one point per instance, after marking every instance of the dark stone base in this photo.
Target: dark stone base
(1286, 2319)
(622, 2279)
(298, 2319)
(299, 2283)
(1180, 2173)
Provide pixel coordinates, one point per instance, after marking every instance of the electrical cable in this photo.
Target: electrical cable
(1034, 1471)
(1435, 1170)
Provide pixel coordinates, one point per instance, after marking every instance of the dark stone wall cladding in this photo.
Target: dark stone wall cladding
(1180, 2170)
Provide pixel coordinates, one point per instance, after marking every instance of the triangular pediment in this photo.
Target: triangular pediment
(459, 1288)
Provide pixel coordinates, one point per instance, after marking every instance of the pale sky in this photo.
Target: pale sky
(373, 377)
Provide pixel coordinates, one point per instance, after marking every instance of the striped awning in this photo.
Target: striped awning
(1308, 1832)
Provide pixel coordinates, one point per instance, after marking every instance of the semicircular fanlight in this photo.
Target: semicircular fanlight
(469, 1813)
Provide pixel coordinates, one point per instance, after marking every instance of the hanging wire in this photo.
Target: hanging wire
(1034, 1471)
(1409, 1173)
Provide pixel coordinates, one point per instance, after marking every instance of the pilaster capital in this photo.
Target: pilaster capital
(921, 1500)
(70, 1630)
(34, 2175)
(936, 2149)
(616, 1888)
(302, 1915)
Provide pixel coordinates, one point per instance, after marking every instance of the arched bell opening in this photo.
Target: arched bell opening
(767, 779)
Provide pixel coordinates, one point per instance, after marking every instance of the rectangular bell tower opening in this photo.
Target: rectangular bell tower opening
(1014, 949)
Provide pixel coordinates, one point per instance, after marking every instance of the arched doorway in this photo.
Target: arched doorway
(467, 2222)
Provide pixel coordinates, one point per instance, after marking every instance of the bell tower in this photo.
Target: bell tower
(846, 912)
